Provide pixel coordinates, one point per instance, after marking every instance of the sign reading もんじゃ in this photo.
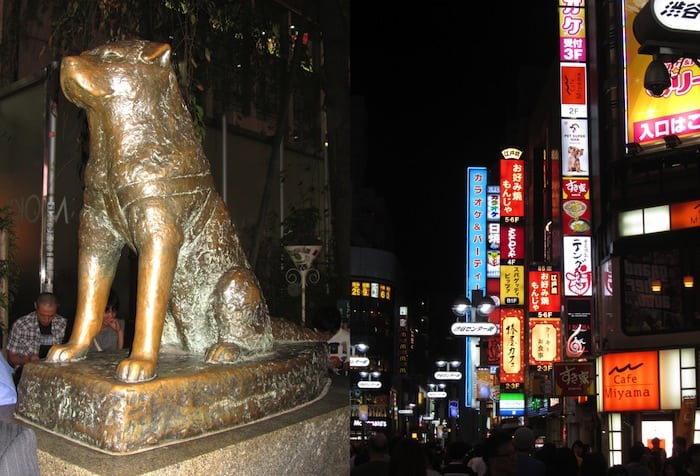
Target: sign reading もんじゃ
(630, 381)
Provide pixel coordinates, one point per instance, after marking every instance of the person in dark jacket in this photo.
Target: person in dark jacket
(456, 464)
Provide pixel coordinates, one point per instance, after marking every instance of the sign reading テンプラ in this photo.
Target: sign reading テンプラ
(631, 381)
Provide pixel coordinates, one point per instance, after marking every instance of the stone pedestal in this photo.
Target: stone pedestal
(311, 440)
(84, 403)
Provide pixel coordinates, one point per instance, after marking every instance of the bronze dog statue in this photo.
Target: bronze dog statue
(149, 187)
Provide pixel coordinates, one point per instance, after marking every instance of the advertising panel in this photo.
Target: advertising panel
(572, 379)
(477, 178)
(545, 340)
(512, 244)
(685, 215)
(573, 90)
(512, 188)
(630, 381)
(512, 285)
(578, 328)
(572, 33)
(544, 293)
(512, 405)
(512, 345)
(575, 188)
(649, 118)
(574, 144)
(578, 266)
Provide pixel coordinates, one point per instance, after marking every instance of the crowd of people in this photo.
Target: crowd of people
(507, 453)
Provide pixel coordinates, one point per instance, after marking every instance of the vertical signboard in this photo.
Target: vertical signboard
(578, 329)
(513, 279)
(477, 257)
(575, 171)
(573, 379)
(578, 265)
(512, 343)
(512, 185)
(493, 234)
(476, 228)
(544, 292)
(545, 337)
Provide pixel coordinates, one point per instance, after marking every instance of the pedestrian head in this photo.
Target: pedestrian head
(46, 305)
(500, 454)
(524, 439)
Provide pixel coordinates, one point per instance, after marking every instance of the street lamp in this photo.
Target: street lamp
(453, 375)
(369, 383)
(473, 310)
(482, 305)
(435, 393)
(358, 358)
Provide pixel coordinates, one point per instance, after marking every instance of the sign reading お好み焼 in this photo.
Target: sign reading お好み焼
(631, 381)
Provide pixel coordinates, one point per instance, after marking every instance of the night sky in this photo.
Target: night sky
(438, 84)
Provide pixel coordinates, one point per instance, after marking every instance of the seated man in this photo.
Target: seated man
(32, 335)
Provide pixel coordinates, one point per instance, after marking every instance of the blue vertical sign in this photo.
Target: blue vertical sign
(477, 183)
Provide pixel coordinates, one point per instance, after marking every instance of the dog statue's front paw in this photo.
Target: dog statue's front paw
(223, 353)
(136, 370)
(66, 353)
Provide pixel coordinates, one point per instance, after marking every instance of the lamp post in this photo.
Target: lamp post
(303, 257)
(368, 384)
(453, 406)
(436, 393)
(471, 311)
(358, 357)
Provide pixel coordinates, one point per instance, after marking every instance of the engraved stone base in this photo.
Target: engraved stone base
(82, 401)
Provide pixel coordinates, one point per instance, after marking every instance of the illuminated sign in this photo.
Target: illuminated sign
(578, 328)
(544, 292)
(573, 90)
(512, 244)
(574, 146)
(630, 381)
(685, 215)
(476, 227)
(493, 206)
(544, 340)
(650, 118)
(357, 423)
(512, 285)
(449, 375)
(573, 378)
(484, 383)
(512, 343)
(578, 266)
(474, 329)
(512, 405)
(673, 16)
(575, 188)
(512, 188)
(370, 290)
(369, 384)
(439, 394)
(577, 216)
(359, 362)
(572, 33)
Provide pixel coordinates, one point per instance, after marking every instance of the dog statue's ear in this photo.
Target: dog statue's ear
(156, 52)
